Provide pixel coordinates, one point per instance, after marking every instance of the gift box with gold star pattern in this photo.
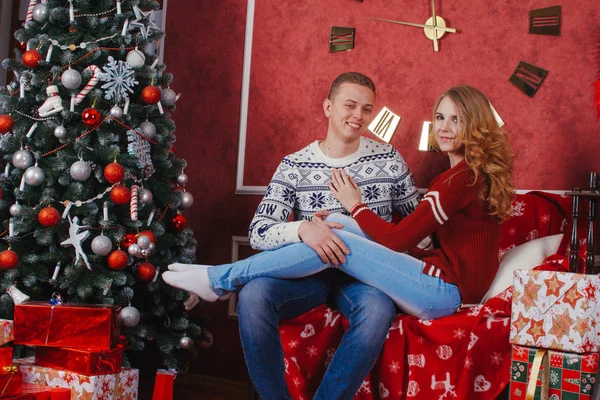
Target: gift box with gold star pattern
(556, 310)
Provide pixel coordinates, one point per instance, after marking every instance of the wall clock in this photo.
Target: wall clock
(527, 77)
(434, 28)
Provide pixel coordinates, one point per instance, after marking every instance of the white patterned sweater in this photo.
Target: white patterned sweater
(299, 188)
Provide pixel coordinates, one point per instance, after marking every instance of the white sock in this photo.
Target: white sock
(195, 281)
(178, 267)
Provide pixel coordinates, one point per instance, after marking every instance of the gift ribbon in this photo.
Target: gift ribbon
(50, 324)
(541, 359)
(12, 369)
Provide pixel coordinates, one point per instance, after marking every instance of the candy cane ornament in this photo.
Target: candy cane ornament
(90, 85)
(133, 202)
(29, 16)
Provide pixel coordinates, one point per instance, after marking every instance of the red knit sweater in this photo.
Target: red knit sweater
(466, 237)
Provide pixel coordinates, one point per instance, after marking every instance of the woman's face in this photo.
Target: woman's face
(445, 128)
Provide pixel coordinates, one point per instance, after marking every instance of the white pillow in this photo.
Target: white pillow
(526, 256)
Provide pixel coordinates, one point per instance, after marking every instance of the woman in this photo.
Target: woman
(462, 211)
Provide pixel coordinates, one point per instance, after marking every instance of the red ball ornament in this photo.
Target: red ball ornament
(120, 195)
(128, 240)
(6, 123)
(114, 172)
(90, 116)
(150, 95)
(145, 271)
(179, 222)
(8, 259)
(49, 217)
(149, 234)
(117, 260)
(22, 46)
(31, 57)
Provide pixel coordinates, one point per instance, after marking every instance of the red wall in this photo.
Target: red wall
(555, 134)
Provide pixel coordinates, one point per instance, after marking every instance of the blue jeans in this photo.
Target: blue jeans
(265, 299)
(398, 275)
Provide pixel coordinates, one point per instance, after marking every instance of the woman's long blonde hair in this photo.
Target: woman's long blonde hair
(486, 147)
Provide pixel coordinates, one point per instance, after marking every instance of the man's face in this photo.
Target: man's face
(350, 111)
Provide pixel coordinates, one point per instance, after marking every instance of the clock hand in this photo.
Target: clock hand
(434, 22)
(439, 28)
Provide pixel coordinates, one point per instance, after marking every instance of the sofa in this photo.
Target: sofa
(463, 356)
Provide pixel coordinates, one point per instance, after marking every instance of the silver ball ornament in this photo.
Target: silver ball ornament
(34, 176)
(152, 247)
(71, 79)
(186, 342)
(143, 241)
(182, 179)
(60, 132)
(186, 201)
(40, 13)
(148, 129)
(135, 58)
(15, 210)
(22, 159)
(146, 196)
(130, 316)
(101, 245)
(134, 250)
(168, 97)
(144, 253)
(80, 171)
(116, 112)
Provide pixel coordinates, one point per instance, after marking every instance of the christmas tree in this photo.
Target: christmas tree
(92, 191)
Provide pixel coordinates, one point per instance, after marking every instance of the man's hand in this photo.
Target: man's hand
(320, 215)
(191, 302)
(318, 235)
(344, 189)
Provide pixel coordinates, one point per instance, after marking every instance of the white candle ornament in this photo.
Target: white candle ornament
(56, 271)
(67, 208)
(126, 107)
(31, 130)
(124, 31)
(150, 218)
(49, 54)
(105, 211)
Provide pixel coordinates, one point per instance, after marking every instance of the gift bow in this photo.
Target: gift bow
(541, 359)
(12, 369)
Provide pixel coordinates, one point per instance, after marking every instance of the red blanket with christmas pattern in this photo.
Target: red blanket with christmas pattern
(462, 356)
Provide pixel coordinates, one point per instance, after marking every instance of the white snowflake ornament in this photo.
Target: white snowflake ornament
(120, 78)
(140, 148)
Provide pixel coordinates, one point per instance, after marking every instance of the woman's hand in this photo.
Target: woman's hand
(344, 189)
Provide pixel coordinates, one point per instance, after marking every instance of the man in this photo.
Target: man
(299, 187)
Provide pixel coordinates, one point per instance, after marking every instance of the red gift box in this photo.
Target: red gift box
(11, 381)
(41, 392)
(86, 362)
(163, 386)
(6, 356)
(84, 326)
